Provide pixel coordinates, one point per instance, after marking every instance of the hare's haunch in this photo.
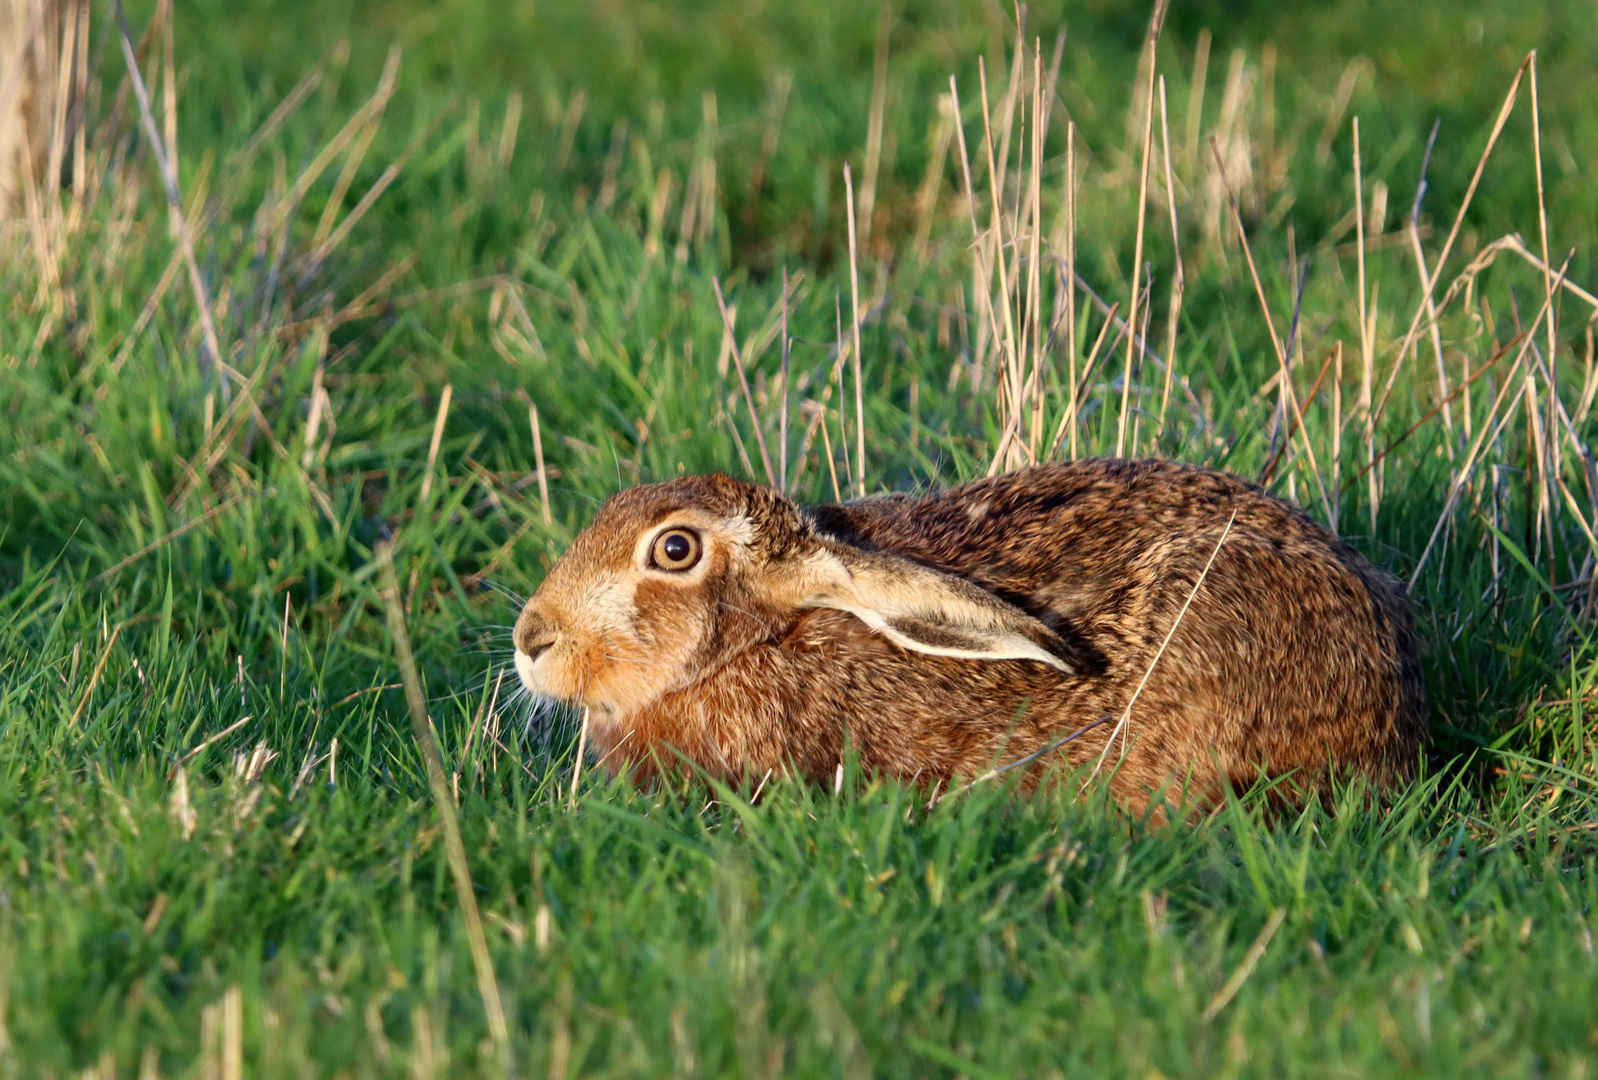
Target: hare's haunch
(947, 634)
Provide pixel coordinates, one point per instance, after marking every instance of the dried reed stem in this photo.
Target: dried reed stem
(1070, 282)
(1251, 959)
(743, 381)
(94, 679)
(1459, 220)
(1463, 387)
(169, 178)
(1276, 342)
(153, 545)
(438, 782)
(1548, 277)
(1195, 102)
(438, 438)
(1488, 429)
(1011, 351)
(1337, 440)
(1179, 282)
(538, 458)
(577, 765)
(859, 467)
(1142, 218)
(1126, 714)
(782, 417)
(1367, 351)
(879, 95)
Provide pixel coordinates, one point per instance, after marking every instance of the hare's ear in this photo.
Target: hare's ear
(922, 609)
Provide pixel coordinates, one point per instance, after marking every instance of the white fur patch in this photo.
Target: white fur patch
(524, 670)
(608, 606)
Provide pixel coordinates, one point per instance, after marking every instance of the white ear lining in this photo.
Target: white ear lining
(1000, 645)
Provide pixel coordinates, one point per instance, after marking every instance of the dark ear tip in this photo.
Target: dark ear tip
(1075, 652)
(835, 521)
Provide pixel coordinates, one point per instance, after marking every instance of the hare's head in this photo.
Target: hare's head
(673, 580)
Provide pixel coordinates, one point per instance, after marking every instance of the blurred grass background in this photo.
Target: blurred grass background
(219, 859)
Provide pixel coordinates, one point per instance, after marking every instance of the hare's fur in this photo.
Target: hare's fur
(946, 634)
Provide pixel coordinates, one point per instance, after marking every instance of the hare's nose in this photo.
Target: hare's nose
(533, 635)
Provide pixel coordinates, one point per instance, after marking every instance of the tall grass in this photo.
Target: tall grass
(456, 324)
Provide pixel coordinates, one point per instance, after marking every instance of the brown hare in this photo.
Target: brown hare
(945, 635)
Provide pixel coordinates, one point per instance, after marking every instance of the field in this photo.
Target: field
(447, 274)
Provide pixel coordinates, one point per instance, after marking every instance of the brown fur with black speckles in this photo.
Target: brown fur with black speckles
(945, 634)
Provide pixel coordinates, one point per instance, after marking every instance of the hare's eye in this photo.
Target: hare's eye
(676, 549)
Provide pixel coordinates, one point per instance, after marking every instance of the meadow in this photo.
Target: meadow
(322, 277)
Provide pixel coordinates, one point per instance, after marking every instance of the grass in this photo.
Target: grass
(220, 854)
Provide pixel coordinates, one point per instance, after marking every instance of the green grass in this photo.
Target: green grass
(166, 901)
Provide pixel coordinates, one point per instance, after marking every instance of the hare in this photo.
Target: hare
(1175, 626)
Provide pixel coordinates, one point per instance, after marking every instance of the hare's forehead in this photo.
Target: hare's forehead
(627, 535)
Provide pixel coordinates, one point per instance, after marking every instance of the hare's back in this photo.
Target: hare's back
(1082, 523)
(1295, 647)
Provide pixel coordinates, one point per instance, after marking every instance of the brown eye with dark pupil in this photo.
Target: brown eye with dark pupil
(676, 549)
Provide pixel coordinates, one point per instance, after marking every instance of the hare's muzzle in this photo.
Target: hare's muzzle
(533, 638)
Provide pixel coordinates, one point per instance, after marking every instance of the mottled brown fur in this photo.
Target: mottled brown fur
(1296, 656)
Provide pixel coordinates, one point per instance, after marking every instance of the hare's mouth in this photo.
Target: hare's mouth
(525, 670)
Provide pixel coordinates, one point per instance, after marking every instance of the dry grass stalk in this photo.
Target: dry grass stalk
(1346, 85)
(1427, 284)
(1147, 94)
(782, 417)
(368, 114)
(1126, 714)
(577, 762)
(859, 377)
(731, 343)
(177, 766)
(155, 545)
(438, 438)
(25, 119)
(980, 292)
(346, 176)
(1079, 389)
(1367, 333)
(1070, 285)
(320, 252)
(1489, 433)
(1251, 959)
(1231, 135)
(1463, 387)
(94, 679)
(169, 177)
(1173, 314)
(1035, 260)
(1195, 102)
(1010, 375)
(455, 850)
(1337, 441)
(1548, 277)
(1309, 399)
(320, 401)
(940, 132)
(1453, 233)
(1285, 373)
(1008, 253)
(820, 418)
(879, 96)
